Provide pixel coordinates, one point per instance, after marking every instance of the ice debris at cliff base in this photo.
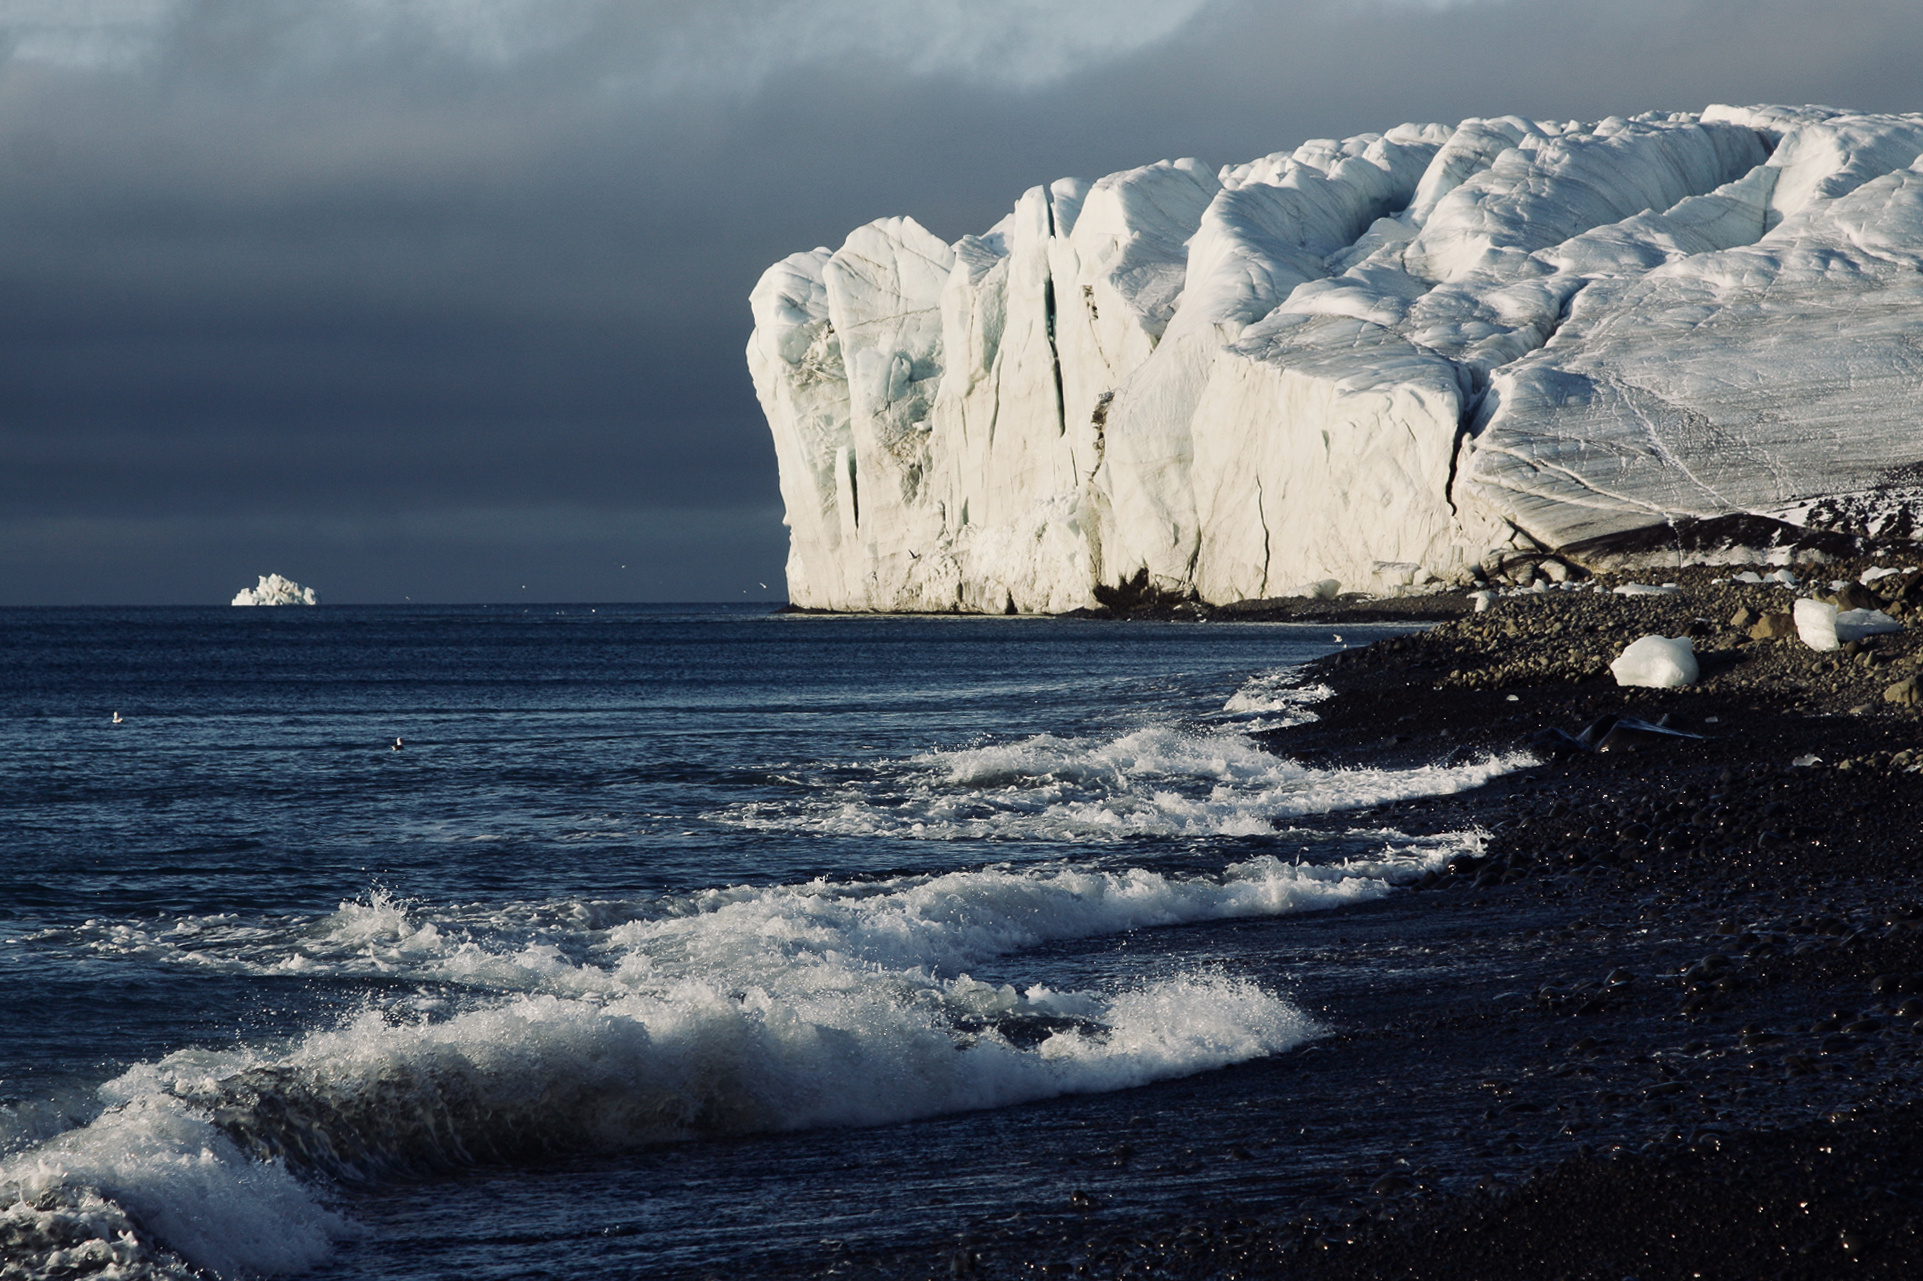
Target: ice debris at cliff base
(1431, 349)
(1657, 662)
(275, 590)
(1822, 626)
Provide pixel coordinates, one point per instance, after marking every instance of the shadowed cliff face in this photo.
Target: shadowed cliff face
(1378, 361)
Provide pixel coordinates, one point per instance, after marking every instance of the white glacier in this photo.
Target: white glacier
(1385, 361)
(275, 590)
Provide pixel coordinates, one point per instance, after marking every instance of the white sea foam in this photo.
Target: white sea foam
(66, 1232)
(1156, 781)
(597, 1026)
(1280, 693)
(94, 1201)
(937, 924)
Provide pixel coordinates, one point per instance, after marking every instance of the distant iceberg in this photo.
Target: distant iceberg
(275, 590)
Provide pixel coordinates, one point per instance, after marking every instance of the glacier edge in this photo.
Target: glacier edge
(1381, 360)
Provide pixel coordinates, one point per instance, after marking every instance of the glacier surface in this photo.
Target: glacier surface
(1389, 360)
(275, 590)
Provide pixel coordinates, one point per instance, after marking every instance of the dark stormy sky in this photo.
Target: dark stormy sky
(446, 299)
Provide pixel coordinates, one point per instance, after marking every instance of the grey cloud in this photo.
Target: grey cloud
(659, 47)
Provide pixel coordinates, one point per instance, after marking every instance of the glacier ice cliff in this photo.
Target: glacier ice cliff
(275, 590)
(1382, 360)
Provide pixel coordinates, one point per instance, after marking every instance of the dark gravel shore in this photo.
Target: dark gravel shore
(1699, 1048)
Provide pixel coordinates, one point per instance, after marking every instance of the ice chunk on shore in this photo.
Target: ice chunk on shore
(1816, 624)
(1822, 627)
(275, 590)
(1855, 624)
(1320, 589)
(1657, 662)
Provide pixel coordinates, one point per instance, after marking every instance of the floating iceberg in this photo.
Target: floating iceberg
(275, 590)
(1424, 348)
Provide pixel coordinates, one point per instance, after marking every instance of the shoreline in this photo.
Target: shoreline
(1794, 884)
(1717, 1063)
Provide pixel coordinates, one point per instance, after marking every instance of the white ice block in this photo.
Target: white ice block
(1657, 662)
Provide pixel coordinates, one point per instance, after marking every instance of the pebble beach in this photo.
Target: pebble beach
(1699, 1048)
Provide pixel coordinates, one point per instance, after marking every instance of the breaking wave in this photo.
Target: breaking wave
(1279, 697)
(596, 1026)
(1155, 781)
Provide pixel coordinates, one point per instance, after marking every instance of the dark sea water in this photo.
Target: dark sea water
(670, 939)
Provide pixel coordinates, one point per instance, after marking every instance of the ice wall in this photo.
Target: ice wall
(1376, 360)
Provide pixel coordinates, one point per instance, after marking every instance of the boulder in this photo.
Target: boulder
(1854, 596)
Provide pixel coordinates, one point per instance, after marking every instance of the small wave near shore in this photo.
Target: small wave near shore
(1157, 780)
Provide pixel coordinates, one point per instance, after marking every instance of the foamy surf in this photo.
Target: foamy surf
(1278, 698)
(600, 1027)
(1154, 781)
(152, 1188)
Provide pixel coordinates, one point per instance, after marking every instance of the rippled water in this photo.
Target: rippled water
(673, 929)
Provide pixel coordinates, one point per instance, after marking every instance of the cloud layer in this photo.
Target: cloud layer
(727, 45)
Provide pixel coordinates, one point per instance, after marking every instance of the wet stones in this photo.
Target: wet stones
(1587, 997)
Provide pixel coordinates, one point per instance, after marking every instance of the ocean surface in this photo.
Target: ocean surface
(632, 940)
